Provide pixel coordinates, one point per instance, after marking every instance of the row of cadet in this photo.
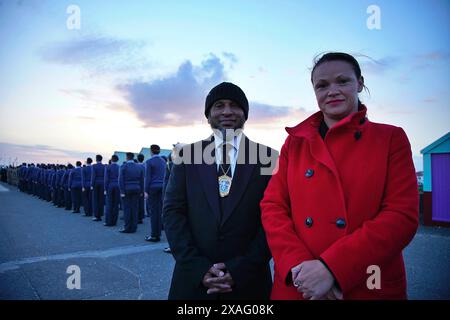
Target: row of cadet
(134, 186)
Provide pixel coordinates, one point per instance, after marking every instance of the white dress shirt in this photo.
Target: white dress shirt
(233, 153)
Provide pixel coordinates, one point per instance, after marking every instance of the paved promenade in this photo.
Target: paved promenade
(38, 242)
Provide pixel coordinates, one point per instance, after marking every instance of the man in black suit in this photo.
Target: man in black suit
(212, 217)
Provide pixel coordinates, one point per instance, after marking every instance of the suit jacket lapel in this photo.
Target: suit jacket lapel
(241, 177)
(208, 177)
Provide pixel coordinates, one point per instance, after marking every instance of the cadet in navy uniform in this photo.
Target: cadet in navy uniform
(75, 187)
(105, 199)
(169, 164)
(53, 186)
(33, 179)
(59, 185)
(28, 175)
(141, 210)
(97, 187)
(86, 173)
(154, 177)
(131, 183)
(47, 176)
(112, 192)
(65, 186)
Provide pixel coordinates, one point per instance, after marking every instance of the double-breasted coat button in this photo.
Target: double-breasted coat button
(309, 222)
(340, 223)
(358, 135)
(362, 120)
(309, 173)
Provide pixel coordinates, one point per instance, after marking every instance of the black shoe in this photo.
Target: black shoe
(152, 239)
(76, 211)
(97, 219)
(108, 225)
(126, 231)
(167, 250)
(140, 222)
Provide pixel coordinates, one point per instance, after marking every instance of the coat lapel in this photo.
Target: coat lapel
(320, 153)
(241, 177)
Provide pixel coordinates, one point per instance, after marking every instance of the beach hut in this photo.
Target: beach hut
(436, 182)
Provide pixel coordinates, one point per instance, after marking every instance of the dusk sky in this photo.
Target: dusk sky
(137, 73)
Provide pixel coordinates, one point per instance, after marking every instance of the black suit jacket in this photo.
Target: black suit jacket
(200, 234)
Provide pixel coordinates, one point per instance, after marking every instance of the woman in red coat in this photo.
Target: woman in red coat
(344, 201)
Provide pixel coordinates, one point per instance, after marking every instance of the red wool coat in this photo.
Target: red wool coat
(350, 199)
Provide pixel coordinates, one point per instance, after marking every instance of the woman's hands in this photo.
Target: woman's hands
(314, 280)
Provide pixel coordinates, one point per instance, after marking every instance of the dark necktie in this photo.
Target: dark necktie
(224, 169)
(225, 165)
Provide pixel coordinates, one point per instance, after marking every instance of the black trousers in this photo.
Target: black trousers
(155, 205)
(98, 200)
(76, 198)
(67, 199)
(112, 205)
(130, 209)
(87, 201)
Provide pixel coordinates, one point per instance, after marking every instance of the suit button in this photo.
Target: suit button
(340, 223)
(309, 173)
(309, 222)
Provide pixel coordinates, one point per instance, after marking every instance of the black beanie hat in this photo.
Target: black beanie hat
(230, 91)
